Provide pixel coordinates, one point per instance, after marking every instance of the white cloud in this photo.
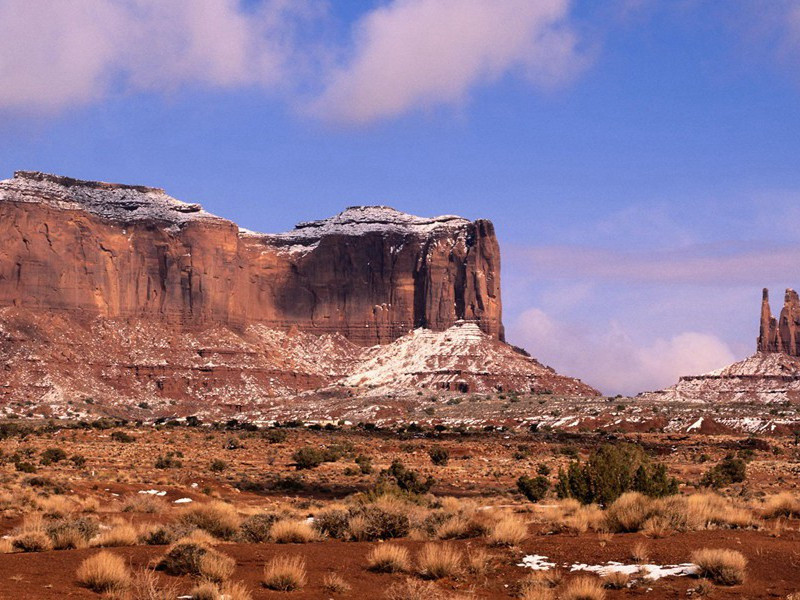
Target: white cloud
(55, 54)
(605, 355)
(413, 54)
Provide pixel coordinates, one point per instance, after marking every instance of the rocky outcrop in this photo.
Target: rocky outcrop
(772, 374)
(783, 334)
(371, 274)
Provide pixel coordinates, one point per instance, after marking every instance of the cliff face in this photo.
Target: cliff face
(93, 249)
(782, 334)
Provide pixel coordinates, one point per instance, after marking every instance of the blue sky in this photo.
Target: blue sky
(639, 160)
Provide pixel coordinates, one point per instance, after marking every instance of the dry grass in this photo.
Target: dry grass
(537, 593)
(616, 580)
(388, 558)
(6, 547)
(629, 512)
(435, 561)
(146, 586)
(207, 590)
(216, 567)
(722, 566)
(712, 510)
(57, 506)
(334, 584)
(582, 588)
(145, 503)
(411, 589)
(290, 531)
(785, 504)
(585, 518)
(220, 519)
(32, 540)
(478, 561)
(121, 533)
(541, 579)
(510, 530)
(640, 552)
(187, 557)
(104, 572)
(285, 573)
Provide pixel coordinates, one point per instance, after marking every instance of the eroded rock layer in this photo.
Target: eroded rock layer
(370, 274)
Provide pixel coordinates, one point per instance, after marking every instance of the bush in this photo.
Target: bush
(364, 464)
(439, 456)
(729, 471)
(309, 457)
(217, 518)
(408, 480)
(723, 567)
(292, 532)
(122, 437)
(53, 455)
(184, 558)
(388, 558)
(275, 436)
(168, 461)
(285, 574)
(104, 572)
(612, 470)
(438, 560)
(218, 466)
(333, 522)
(255, 528)
(534, 489)
(374, 522)
(508, 531)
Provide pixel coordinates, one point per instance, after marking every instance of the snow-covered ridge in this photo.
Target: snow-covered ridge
(130, 203)
(357, 220)
(112, 201)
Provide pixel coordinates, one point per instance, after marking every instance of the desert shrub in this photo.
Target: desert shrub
(727, 472)
(216, 567)
(722, 566)
(438, 560)
(388, 558)
(34, 540)
(71, 533)
(184, 558)
(53, 455)
(372, 522)
(292, 532)
(161, 535)
(707, 510)
(24, 466)
(582, 588)
(218, 466)
(364, 464)
(122, 437)
(477, 561)
(285, 573)
(275, 436)
(785, 504)
(217, 518)
(540, 580)
(207, 590)
(168, 461)
(333, 522)
(121, 534)
(146, 586)
(309, 457)
(616, 580)
(439, 456)
(104, 572)
(407, 479)
(612, 470)
(334, 584)
(144, 503)
(255, 528)
(509, 530)
(78, 460)
(629, 512)
(412, 589)
(533, 488)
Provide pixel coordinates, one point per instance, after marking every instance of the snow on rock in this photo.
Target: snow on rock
(536, 562)
(182, 501)
(153, 492)
(652, 572)
(112, 201)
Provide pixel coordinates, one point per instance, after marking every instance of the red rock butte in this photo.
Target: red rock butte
(371, 273)
(125, 295)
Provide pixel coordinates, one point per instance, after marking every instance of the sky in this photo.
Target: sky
(640, 159)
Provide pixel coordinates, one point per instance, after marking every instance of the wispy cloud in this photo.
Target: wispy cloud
(608, 358)
(729, 263)
(56, 54)
(412, 54)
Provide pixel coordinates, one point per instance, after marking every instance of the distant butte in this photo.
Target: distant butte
(123, 293)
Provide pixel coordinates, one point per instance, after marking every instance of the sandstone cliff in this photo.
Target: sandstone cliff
(370, 273)
(783, 334)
